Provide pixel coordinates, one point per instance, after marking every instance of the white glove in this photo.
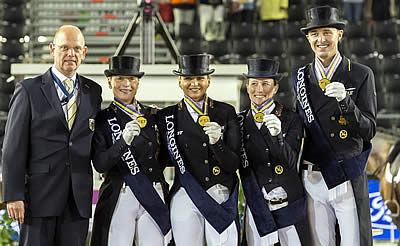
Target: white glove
(273, 123)
(213, 130)
(132, 129)
(337, 90)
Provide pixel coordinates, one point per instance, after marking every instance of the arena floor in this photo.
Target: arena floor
(385, 243)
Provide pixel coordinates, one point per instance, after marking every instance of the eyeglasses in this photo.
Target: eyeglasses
(65, 48)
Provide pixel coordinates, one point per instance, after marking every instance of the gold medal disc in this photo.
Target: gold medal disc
(323, 83)
(203, 119)
(142, 121)
(259, 117)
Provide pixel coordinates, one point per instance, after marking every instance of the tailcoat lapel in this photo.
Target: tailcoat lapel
(189, 124)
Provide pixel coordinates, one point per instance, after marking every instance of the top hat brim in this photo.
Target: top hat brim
(277, 76)
(190, 73)
(338, 25)
(109, 73)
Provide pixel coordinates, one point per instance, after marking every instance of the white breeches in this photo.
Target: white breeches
(323, 212)
(189, 226)
(131, 221)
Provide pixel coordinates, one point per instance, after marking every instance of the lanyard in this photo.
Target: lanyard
(62, 87)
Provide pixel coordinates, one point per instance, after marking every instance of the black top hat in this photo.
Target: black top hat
(263, 68)
(124, 65)
(323, 16)
(193, 65)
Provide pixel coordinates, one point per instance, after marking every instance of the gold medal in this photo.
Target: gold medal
(203, 119)
(142, 121)
(259, 117)
(323, 83)
(342, 121)
(278, 169)
(343, 134)
(216, 170)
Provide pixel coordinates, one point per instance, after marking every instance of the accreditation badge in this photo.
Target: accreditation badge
(142, 121)
(259, 117)
(203, 119)
(323, 83)
(92, 124)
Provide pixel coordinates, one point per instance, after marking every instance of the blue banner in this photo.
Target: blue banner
(382, 226)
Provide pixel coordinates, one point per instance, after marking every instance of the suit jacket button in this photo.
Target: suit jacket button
(150, 169)
(205, 161)
(333, 118)
(270, 180)
(150, 143)
(67, 164)
(70, 143)
(207, 179)
(266, 149)
(332, 134)
(150, 157)
(268, 164)
(204, 145)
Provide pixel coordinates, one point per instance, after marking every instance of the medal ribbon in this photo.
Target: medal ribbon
(129, 110)
(266, 105)
(329, 71)
(195, 107)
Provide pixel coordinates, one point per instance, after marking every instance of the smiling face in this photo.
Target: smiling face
(194, 87)
(261, 89)
(324, 42)
(124, 87)
(68, 49)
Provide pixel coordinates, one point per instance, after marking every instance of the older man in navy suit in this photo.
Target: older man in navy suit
(46, 162)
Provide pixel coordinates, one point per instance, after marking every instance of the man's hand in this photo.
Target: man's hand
(336, 90)
(213, 130)
(16, 210)
(273, 123)
(132, 129)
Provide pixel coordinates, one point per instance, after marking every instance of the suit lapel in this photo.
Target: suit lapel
(84, 103)
(50, 92)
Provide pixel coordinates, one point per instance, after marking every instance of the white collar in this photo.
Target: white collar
(61, 76)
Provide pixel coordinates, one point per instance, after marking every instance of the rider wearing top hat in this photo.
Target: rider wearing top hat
(272, 135)
(203, 141)
(126, 148)
(337, 100)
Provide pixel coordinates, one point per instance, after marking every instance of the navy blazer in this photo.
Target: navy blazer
(42, 159)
